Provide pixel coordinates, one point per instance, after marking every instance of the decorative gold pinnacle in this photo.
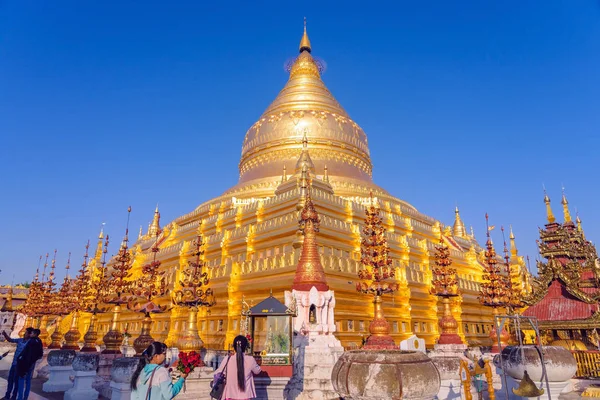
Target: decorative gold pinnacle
(376, 269)
(304, 42)
(194, 293)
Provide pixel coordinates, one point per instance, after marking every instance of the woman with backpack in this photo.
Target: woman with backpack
(152, 381)
(237, 371)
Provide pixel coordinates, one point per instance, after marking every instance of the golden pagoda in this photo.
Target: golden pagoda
(251, 238)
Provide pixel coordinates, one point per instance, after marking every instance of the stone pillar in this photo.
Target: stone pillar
(60, 370)
(316, 349)
(84, 366)
(120, 377)
(446, 358)
(102, 381)
(197, 384)
(41, 366)
(314, 358)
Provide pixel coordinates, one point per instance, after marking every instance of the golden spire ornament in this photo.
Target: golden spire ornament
(513, 292)
(565, 205)
(193, 293)
(304, 42)
(149, 286)
(549, 214)
(119, 286)
(47, 295)
(97, 291)
(309, 271)
(376, 269)
(60, 305)
(493, 290)
(445, 286)
(81, 301)
(458, 229)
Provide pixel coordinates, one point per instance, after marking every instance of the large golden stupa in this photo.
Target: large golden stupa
(251, 237)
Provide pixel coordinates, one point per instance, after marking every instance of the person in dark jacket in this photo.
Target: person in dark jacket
(13, 379)
(33, 351)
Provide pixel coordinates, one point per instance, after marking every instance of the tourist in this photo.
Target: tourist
(33, 351)
(11, 390)
(244, 366)
(151, 381)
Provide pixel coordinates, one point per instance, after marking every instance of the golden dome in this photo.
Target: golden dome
(305, 111)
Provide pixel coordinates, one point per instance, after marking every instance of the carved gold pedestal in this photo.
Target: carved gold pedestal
(142, 342)
(72, 336)
(190, 339)
(90, 337)
(504, 336)
(380, 330)
(56, 336)
(42, 325)
(448, 326)
(113, 338)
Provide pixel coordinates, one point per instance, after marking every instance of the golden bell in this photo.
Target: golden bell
(528, 388)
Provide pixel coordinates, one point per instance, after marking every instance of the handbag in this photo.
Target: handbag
(219, 382)
(149, 391)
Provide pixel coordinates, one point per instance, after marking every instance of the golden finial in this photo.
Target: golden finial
(326, 175)
(305, 43)
(459, 227)
(154, 229)
(549, 213)
(513, 246)
(98, 253)
(565, 205)
(578, 221)
(284, 176)
(140, 233)
(472, 232)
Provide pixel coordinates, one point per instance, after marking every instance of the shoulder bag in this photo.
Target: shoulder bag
(219, 382)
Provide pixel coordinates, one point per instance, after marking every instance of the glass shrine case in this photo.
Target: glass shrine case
(271, 331)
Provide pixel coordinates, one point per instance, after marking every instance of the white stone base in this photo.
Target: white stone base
(120, 391)
(271, 388)
(59, 379)
(314, 358)
(41, 367)
(82, 387)
(197, 385)
(102, 380)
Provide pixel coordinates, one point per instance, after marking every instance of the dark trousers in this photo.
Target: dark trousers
(11, 390)
(24, 385)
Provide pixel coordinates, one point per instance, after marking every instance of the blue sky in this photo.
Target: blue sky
(116, 103)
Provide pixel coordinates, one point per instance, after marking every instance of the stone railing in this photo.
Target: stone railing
(588, 363)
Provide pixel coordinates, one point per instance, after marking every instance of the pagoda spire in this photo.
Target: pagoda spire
(549, 213)
(579, 228)
(565, 205)
(140, 233)
(154, 229)
(98, 253)
(284, 176)
(459, 227)
(304, 42)
(513, 247)
(309, 271)
(304, 158)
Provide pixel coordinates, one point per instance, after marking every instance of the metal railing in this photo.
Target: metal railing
(588, 363)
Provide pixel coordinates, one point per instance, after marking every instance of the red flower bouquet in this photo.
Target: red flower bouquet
(188, 361)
